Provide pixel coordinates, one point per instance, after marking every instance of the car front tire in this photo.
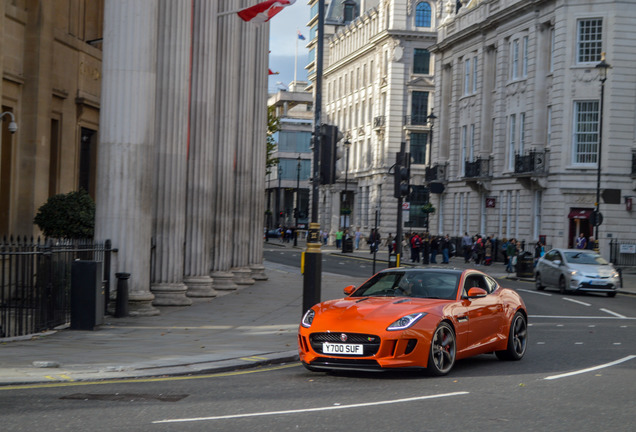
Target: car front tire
(538, 283)
(517, 339)
(562, 285)
(441, 357)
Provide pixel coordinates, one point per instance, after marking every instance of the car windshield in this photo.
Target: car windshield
(420, 284)
(585, 258)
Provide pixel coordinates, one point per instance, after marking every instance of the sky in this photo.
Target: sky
(283, 34)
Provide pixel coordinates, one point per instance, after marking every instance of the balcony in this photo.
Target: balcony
(416, 120)
(633, 164)
(477, 174)
(531, 164)
(379, 122)
(436, 173)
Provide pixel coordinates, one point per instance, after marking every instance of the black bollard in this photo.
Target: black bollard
(121, 305)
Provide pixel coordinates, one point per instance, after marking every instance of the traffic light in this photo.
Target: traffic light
(329, 153)
(402, 175)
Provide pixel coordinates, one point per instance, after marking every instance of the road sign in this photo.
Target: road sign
(596, 218)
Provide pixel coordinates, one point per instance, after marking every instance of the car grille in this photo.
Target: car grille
(370, 343)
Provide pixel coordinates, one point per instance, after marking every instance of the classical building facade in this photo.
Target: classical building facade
(162, 118)
(523, 117)
(378, 89)
(287, 183)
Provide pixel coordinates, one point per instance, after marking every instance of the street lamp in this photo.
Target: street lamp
(431, 121)
(602, 67)
(345, 198)
(297, 209)
(278, 197)
(13, 126)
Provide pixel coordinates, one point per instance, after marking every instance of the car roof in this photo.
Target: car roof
(426, 269)
(574, 250)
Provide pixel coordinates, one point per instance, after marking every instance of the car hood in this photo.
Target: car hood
(590, 269)
(379, 309)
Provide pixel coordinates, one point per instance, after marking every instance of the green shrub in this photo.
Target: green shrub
(67, 216)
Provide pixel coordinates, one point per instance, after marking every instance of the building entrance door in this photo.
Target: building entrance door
(579, 223)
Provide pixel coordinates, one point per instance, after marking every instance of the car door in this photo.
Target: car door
(483, 314)
(551, 271)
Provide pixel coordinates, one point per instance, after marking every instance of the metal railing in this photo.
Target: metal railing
(35, 281)
(531, 163)
(379, 121)
(623, 252)
(416, 120)
(633, 164)
(478, 168)
(435, 173)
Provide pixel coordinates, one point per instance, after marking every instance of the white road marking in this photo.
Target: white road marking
(300, 411)
(603, 366)
(576, 301)
(613, 313)
(535, 292)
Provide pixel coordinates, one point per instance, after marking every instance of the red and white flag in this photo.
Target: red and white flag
(273, 73)
(264, 11)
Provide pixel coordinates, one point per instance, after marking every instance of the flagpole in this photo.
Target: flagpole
(296, 57)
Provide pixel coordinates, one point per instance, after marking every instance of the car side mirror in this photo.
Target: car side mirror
(476, 292)
(557, 262)
(348, 290)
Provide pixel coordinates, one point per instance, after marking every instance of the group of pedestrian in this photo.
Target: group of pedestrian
(585, 243)
(426, 247)
(478, 249)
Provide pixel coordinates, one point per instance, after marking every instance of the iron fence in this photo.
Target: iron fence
(35, 281)
(623, 253)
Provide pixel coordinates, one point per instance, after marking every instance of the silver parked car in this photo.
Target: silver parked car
(576, 270)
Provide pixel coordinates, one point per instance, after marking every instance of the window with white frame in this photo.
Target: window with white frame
(514, 56)
(536, 228)
(423, 15)
(589, 40)
(552, 47)
(467, 76)
(522, 132)
(511, 141)
(471, 153)
(475, 63)
(524, 63)
(462, 157)
(586, 122)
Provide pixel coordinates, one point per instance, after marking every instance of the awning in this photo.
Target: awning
(580, 214)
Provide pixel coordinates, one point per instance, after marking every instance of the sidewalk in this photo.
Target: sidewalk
(254, 325)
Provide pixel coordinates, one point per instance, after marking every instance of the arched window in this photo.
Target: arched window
(423, 15)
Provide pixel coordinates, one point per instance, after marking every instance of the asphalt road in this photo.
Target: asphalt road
(577, 375)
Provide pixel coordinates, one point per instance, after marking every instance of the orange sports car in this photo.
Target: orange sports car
(414, 318)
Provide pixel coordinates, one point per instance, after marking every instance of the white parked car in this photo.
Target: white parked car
(576, 270)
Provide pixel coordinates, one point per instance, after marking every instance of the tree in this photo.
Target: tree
(273, 126)
(67, 216)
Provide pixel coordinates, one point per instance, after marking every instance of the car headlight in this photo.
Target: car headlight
(308, 318)
(406, 321)
(574, 273)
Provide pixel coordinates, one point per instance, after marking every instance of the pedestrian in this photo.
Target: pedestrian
(511, 254)
(288, 234)
(339, 235)
(467, 244)
(478, 250)
(390, 243)
(416, 243)
(434, 249)
(504, 250)
(426, 248)
(445, 248)
(357, 236)
(581, 242)
(488, 247)
(539, 251)
(591, 243)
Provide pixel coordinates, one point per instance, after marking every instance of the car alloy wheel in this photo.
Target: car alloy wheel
(517, 339)
(562, 288)
(443, 349)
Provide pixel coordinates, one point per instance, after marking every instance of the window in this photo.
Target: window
(421, 61)
(552, 41)
(522, 132)
(471, 154)
(589, 40)
(467, 76)
(423, 15)
(462, 160)
(586, 118)
(524, 63)
(511, 144)
(549, 132)
(475, 74)
(293, 142)
(419, 108)
(514, 55)
(419, 142)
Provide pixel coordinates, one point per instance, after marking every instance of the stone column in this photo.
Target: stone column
(242, 143)
(201, 192)
(126, 149)
(255, 251)
(171, 145)
(226, 83)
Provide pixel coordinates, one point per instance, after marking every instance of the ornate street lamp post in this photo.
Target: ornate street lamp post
(602, 67)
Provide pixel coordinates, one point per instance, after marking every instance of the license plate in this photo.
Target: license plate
(346, 349)
(598, 282)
